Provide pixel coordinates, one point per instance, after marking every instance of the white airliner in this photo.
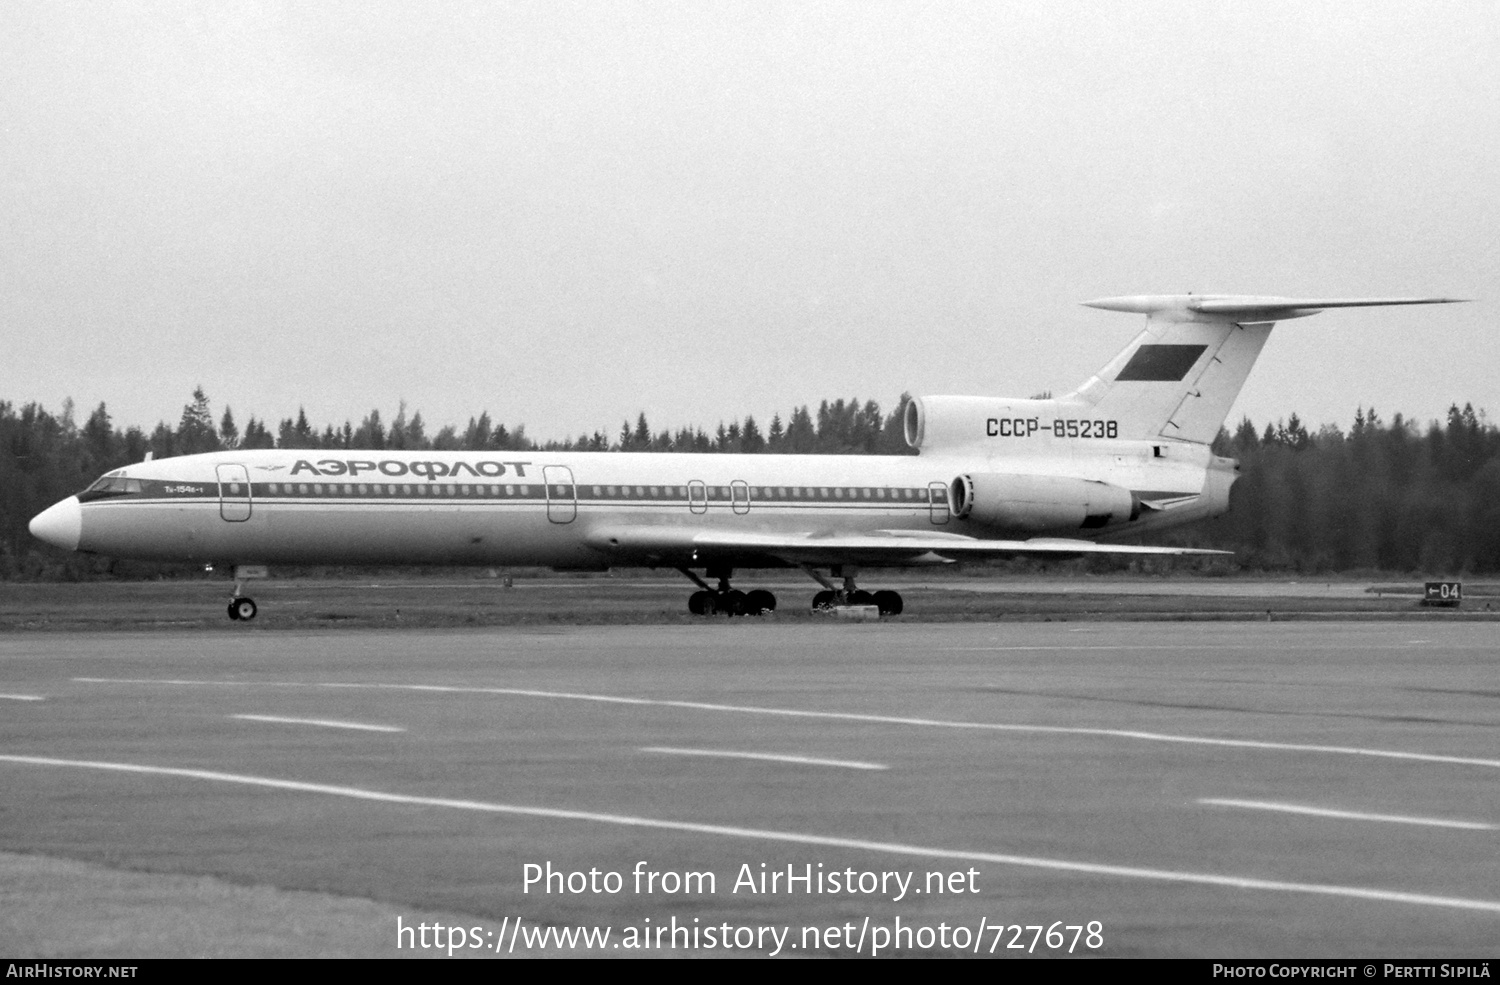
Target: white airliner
(1124, 454)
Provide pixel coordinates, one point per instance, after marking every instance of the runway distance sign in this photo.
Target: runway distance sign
(1443, 593)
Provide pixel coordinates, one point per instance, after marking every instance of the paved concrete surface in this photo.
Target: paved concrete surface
(1198, 789)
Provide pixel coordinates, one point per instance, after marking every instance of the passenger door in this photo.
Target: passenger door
(234, 493)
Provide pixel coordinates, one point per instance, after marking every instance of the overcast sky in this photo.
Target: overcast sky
(570, 213)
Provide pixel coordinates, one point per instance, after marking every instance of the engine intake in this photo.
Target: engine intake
(936, 423)
(1034, 503)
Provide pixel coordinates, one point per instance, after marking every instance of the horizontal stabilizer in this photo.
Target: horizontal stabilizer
(1246, 307)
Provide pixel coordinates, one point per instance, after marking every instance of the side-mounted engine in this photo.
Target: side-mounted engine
(1036, 503)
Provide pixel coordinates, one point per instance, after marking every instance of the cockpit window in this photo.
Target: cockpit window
(106, 481)
(113, 484)
(116, 484)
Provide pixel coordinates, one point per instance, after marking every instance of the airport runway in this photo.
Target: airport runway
(1188, 789)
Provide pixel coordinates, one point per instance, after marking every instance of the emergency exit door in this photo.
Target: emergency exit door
(937, 502)
(562, 495)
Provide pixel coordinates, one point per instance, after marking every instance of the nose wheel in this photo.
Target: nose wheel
(242, 607)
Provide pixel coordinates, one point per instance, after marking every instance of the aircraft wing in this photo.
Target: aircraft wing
(677, 545)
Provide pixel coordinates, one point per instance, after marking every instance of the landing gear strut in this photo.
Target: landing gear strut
(726, 601)
(242, 607)
(888, 602)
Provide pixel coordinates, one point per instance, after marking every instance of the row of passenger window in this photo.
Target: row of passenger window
(755, 492)
(674, 493)
(398, 489)
(762, 493)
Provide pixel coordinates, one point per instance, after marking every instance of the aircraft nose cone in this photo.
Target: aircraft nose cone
(60, 524)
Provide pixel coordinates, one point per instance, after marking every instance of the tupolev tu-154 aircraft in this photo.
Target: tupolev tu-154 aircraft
(1126, 453)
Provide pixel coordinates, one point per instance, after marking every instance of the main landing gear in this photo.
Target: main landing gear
(726, 601)
(888, 602)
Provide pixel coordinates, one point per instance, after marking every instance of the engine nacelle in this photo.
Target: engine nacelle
(937, 423)
(1034, 503)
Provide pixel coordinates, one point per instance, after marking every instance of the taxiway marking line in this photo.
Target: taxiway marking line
(183, 681)
(1266, 805)
(849, 716)
(22, 697)
(1108, 646)
(321, 722)
(1335, 647)
(791, 837)
(767, 757)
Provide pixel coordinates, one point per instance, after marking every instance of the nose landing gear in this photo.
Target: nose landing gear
(242, 607)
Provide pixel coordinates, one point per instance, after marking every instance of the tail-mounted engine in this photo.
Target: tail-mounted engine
(933, 423)
(1035, 503)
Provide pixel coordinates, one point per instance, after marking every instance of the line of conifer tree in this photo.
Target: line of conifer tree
(1397, 496)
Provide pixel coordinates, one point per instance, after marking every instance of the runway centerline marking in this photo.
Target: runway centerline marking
(791, 837)
(846, 716)
(767, 757)
(320, 722)
(1267, 805)
(21, 697)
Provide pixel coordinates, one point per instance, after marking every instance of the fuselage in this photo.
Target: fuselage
(556, 508)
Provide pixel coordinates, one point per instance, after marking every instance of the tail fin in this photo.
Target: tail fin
(1179, 377)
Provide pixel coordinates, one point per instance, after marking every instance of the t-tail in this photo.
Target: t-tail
(1178, 378)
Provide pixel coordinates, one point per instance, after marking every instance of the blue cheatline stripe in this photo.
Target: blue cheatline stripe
(782, 495)
(862, 497)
